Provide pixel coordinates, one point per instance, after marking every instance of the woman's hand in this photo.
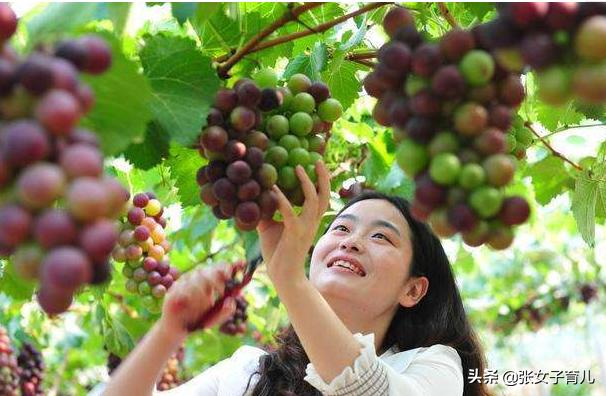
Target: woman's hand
(191, 296)
(287, 243)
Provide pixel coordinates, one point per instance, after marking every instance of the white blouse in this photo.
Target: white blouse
(429, 371)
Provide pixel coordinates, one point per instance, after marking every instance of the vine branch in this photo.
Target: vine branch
(292, 14)
(529, 126)
(257, 45)
(445, 12)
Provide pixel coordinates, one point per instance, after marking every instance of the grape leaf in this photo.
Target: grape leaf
(122, 96)
(58, 18)
(310, 65)
(13, 285)
(549, 178)
(340, 76)
(152, 150)
(183, 84)
(583, 207)
(184, 164)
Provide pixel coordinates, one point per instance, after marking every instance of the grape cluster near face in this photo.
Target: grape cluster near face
(564, 43)
(450, 107)
(256, 134)
(9, 369)
(57, 208)
(298, 131)
(143, 247)
(32, 370)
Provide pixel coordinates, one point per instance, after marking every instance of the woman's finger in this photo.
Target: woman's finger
(227, 310)
(284, 206)
(265, 224)
(310, 205)
(323, 187)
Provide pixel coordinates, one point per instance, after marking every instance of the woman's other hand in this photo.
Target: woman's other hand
(192, 296)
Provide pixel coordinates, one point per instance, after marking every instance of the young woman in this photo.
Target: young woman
(380, 313)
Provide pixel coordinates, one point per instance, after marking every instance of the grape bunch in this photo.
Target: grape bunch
(589, 292)
(256, 133)
(170, 375)
(237, 323)
(565, 43)
(450, 107)
(143, 247)
(57, 209)
(32, 369)
(298, 131)
(9, 369)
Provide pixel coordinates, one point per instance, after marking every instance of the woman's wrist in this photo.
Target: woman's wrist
(169, 334)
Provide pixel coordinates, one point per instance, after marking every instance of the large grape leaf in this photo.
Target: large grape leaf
(183, 84)
(184, 164)
(152, 150)
(122, 95)
(340, 76)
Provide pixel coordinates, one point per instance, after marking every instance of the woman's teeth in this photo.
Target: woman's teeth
(349, 266)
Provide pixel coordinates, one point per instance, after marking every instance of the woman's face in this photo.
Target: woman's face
(373, 236)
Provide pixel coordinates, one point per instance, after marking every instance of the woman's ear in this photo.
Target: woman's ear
(413, 291)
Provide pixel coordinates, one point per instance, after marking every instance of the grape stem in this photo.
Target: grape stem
(362, 58)
(256, 45)
(234, 291)
(529, 126)
(291, 14)
(445, 12)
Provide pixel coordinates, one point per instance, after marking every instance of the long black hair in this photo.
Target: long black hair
(438, 318)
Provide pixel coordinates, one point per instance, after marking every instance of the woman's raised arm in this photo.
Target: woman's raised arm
(188, 299)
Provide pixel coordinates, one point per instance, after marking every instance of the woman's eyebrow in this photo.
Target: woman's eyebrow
(387, 224)
(380, 223)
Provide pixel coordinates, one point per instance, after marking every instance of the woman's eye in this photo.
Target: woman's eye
(382, 236)
(340, 228)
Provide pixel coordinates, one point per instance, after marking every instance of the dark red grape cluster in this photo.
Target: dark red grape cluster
(589, 292)
(57, 208)
(450, 107)
(113, 361)
(237, 181)
(170, 375)
(565, 43)
(256, 134)
(143, 247)
(9, 369)
(237, 323)
(298, 131)
(32, 370)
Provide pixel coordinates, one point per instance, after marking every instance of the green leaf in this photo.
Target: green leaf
(396, 182)
(117, 13)
(376, 165)
(183, 11)
(252, 245)
(549, 178)
(552, 117)
(13, 285)
(152, 150)
(583, 207)
(340, 77)
(310, 65)
(184, 164)
(59, 18)
(183, 83)
(357, 37)
(122, 96)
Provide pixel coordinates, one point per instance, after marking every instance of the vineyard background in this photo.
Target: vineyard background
(152, 104)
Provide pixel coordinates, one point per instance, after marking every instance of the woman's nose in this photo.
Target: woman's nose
(350, 244)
